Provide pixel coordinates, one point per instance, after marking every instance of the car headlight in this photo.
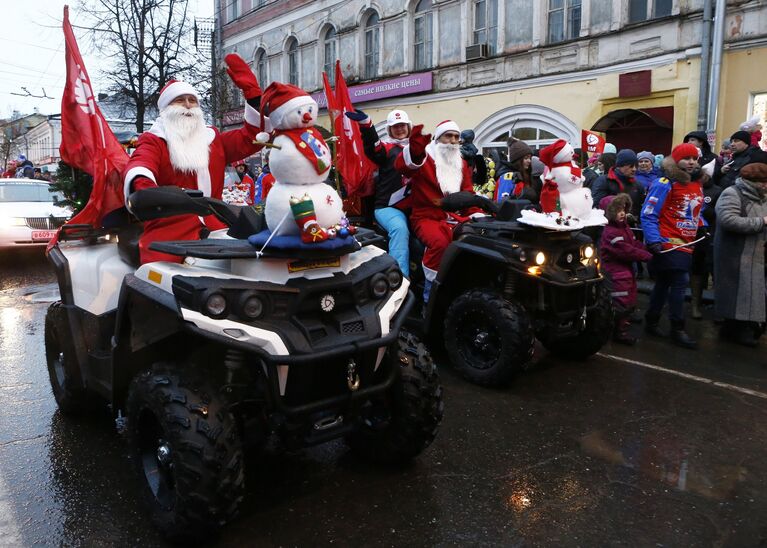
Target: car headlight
(215, 305)
(251, 306)
(520, 254)
(588, 252)
(7, 221)
(379, 286)
(395, 279)
(540, 258)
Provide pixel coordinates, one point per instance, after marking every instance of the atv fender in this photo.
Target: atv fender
(455, 269)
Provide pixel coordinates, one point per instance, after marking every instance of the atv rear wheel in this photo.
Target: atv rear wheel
(63, 369)
(595, 334)
(488, 338)
(187, 451)
(401, 424)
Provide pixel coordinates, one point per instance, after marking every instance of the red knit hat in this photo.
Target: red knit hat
(279, 99)
(172, 90)
(551, 154)
(685, 150)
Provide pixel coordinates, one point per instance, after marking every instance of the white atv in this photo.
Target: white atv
(200, 359)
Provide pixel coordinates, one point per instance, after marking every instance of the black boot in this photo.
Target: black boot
(680, 337)
(747, 334)
(651, 325)
(621, 330)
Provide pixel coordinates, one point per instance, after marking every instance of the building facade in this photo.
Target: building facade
(535, 69)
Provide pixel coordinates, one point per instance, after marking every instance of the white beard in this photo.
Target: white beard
(449, 164)
(186, 135)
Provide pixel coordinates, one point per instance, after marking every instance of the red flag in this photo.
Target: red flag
(87, 141)
(355, 168)
(591, 142)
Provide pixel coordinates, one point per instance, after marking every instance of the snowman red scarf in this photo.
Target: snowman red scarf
(310, 143)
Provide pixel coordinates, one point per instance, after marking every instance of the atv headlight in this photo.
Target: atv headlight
(520, 254)
(379, 285)
(395, 279)
(215, 305)
(251, 306)
(540, 258)
(588, 252)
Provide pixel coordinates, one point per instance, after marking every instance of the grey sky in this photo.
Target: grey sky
(32, 52)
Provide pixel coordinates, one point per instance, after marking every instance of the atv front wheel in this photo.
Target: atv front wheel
(401, 424)
(488, 338)
(187, 451)
(595, 334)
(63, 369)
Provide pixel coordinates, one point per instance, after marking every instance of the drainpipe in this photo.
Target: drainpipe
(705, 61)
(716, 65)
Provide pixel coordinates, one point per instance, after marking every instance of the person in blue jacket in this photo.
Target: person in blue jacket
(670, 219)
(646, 173)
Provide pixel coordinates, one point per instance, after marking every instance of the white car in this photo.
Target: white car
(28, 212)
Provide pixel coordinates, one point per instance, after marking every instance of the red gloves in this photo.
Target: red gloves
(242, 76)
(418, 142)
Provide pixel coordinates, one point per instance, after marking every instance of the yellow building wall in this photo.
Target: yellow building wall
(743, 74)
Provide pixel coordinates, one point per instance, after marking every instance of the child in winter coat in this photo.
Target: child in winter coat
(619, 250)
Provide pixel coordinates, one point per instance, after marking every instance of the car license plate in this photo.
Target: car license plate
(42, 235)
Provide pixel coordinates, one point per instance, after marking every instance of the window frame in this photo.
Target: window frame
(371, 36)
(566, 12)
(490, 32)
(332, 42)
(425, 15)
(261, 66)
(293, 70)
(234, 10)
(651, 11)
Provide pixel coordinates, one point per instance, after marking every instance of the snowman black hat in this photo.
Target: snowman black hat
(277, 101)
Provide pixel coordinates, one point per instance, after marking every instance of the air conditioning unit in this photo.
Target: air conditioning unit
(477, 51)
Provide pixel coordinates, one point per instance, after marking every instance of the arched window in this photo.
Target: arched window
(329, 53)
(292, 51)
(422, 35)
(372, 36)
(261, 67)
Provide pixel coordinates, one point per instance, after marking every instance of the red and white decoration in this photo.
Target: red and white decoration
(300, 161)
(572, 207)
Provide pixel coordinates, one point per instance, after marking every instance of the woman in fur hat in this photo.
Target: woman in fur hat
(619, 251)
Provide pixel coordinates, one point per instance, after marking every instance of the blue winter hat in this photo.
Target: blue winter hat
(658, 159)
(645, 155)
(626, 157)
(609, 147)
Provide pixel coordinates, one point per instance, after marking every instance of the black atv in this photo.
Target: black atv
(502, 283)
(237, 343)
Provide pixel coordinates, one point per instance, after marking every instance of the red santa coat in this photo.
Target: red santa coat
(151, 164)
(432, 224)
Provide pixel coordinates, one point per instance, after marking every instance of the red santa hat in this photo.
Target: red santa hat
(279, 99)
(172, 90)
(558, 152)
(445, 126)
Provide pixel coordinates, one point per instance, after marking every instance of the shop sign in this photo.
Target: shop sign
(382, 89)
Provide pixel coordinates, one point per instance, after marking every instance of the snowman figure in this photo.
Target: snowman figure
(300, 203)
(566, 204)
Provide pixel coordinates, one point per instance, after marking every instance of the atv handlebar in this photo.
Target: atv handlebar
(458, 201)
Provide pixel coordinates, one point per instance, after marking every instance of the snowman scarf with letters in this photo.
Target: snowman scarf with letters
(310, 143)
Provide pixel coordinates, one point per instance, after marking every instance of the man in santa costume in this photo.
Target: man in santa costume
(436, 169)
(179, 149)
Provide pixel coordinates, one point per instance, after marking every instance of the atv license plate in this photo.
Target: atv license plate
(42, 235)
(298, 266)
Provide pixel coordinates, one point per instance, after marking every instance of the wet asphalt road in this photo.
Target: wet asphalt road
(607, 452)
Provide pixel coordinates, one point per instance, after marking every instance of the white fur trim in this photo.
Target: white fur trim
(203, 181)
(262, 137)
(444, 127)
(174, 90)
(565, 154)
(253, 117)
(409, 161)
(277, 115)
(132, 174)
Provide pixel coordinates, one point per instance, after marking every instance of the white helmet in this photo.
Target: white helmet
(397, 117)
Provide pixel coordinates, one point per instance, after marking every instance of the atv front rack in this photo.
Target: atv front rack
(214, 248)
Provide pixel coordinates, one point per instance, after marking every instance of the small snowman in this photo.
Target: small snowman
(300, 162)
(566, 204)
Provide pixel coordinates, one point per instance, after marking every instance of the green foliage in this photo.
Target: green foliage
(74, 184)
